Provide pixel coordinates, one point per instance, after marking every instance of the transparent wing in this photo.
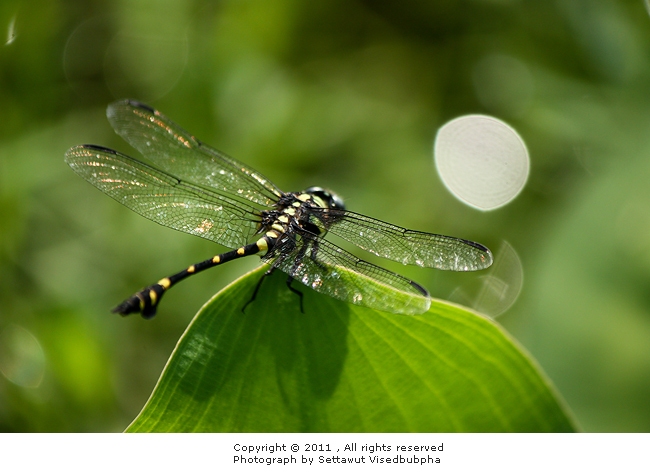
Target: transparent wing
(163, 198)
(404, 245)
(328, 269)
(177, 152)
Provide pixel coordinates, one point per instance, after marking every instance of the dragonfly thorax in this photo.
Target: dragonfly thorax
(294, 213)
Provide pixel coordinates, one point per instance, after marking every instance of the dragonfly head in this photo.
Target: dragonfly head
(331, 199)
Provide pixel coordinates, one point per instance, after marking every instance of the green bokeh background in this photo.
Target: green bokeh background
(342, 94)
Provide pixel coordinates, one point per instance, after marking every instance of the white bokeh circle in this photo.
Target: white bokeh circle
(481, 160)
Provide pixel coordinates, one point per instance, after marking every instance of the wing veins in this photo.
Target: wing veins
(176, 151)
(405, 245)
(164, 198)
(340, 274)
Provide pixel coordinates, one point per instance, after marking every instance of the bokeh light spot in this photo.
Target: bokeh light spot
(11, 32)
(153, 63)
(496, 292)
(481, 160)
(22, 360)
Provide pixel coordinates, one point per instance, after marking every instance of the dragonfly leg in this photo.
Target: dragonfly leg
(259, 284)
(297, 263)
(257, 288)
(295, 291)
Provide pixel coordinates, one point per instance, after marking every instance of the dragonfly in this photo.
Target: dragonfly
(198, 190)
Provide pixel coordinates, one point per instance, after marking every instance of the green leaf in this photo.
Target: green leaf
(345, 368)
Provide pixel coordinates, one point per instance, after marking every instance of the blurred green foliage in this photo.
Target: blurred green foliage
(342, 94)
